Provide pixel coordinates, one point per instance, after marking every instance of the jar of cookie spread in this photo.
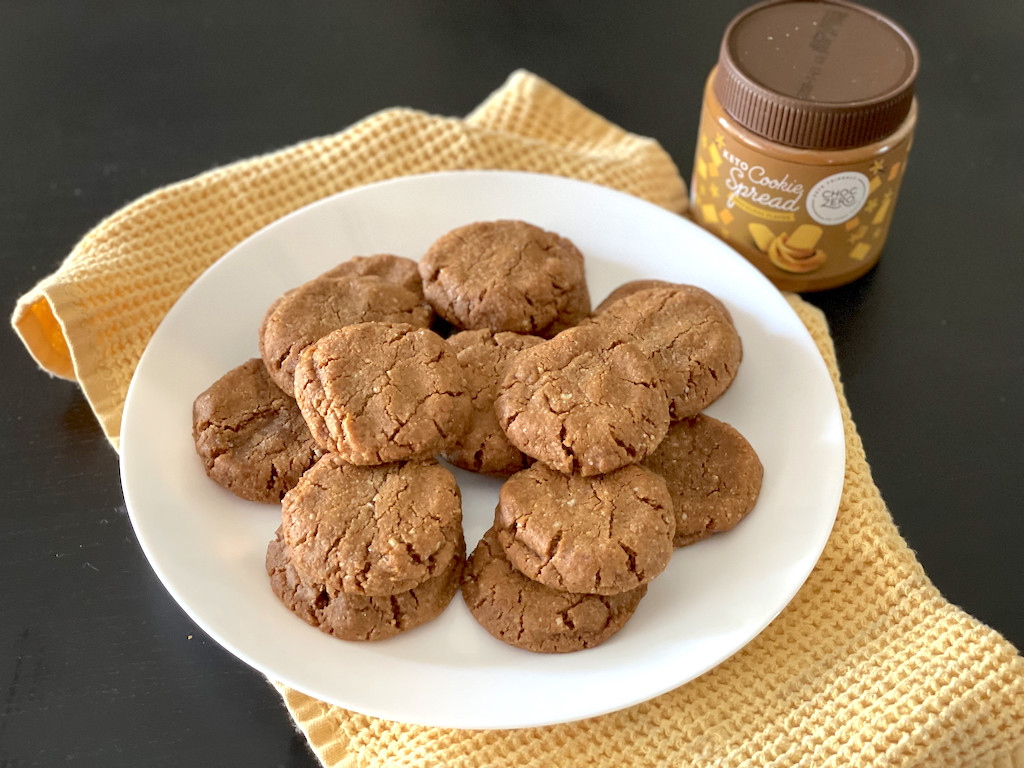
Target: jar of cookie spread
(804, 134)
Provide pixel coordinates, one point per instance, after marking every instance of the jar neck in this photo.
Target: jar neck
(804, 156)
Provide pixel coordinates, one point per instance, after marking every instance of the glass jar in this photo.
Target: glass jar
(804, 134)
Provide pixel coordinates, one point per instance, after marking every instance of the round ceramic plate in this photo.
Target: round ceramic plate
(208, 547)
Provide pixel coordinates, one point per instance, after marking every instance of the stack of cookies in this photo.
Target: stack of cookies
(340, 422)
(610, 411)
(594, 419)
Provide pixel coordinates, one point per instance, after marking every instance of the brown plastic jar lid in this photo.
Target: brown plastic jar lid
(816, 74)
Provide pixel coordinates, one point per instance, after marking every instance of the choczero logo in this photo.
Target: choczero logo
(838, 198)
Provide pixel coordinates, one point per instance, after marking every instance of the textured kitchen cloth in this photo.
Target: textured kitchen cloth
(92, 318)
(868, 666)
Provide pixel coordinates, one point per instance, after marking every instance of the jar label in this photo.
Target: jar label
(805, 225)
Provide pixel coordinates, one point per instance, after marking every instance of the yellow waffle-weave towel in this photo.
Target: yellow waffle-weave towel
(868, 666)
(93, 317)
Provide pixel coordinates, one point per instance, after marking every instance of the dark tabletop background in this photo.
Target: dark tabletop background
(100, 102)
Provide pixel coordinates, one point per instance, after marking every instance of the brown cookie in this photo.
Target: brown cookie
(577, 309)
(628, 289)
(482, 445)
(360, 617)
(316, 308)
(388, 267)
(689, 335)
(602, 535)
(503, 275)
(713, 474)
(251, 436)
(585, 401)
(375, 392)
(528, 615)
(372, 530)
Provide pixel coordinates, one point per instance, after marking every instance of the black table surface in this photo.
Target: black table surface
(101, 102)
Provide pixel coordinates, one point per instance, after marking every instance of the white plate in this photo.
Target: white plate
(208, 546)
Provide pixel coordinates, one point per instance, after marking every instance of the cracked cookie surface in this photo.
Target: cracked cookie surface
(690, 337)
(526, 614)
(713, 474)
(584, 401)
(388, 267)
(377, 392)
(360, 617)
(251, 436)
(314, 309)
(599, 535)
(372, 530)
(628, 289)
(577, 309)
(485, 357)
(505, 276)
